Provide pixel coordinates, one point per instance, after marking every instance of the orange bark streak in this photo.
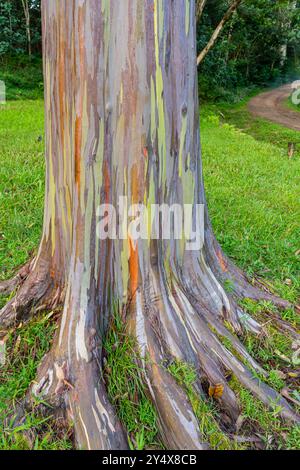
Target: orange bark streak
(145, 152)
(78, 140)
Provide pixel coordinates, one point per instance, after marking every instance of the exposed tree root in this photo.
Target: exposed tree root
(37, 290)
(9, 286)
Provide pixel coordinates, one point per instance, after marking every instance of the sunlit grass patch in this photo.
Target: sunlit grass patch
(204, 408)
(25, 347)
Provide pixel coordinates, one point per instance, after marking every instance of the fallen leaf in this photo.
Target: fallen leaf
(216, 391)
(2, 353)
(239, 423)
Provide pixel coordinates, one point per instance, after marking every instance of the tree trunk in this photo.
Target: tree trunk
(122, 119)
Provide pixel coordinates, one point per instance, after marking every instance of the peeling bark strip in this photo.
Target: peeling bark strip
(121, 107)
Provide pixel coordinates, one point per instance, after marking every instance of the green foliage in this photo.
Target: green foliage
(264, 308)
(36, 433)
(184, 373)
(25, 348)
(266, 424)
(272, 350)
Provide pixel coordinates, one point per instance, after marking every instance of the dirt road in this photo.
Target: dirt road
(272, 105)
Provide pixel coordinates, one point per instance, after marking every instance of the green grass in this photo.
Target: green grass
(23, 78)
(262, 130)
(263, 423)
(21, 182)
(36, 433)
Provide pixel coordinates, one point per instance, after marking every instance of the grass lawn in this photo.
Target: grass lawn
(253, 196)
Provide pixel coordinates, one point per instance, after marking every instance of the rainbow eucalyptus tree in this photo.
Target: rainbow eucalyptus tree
(121, 108)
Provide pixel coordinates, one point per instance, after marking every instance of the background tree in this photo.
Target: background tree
(249, 49)
(121, 107)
